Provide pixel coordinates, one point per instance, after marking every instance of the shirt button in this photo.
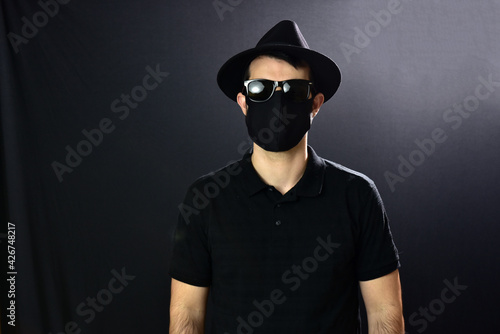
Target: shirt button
(278, 222)
(270, 188)
(278, 205)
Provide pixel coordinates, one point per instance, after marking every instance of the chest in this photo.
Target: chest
(269, 234)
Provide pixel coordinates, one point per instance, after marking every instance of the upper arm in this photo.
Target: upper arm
(188, 296)
(383, 302)
(187, 307)
(377, 254)
(381, 292)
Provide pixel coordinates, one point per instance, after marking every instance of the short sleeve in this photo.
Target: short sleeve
(377, 254)
(190, 261)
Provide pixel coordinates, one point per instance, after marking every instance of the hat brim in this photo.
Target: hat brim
(326, 73)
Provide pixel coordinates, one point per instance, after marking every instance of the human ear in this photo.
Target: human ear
(242, 102)
(317, 103)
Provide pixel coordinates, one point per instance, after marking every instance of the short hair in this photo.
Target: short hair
(294, 61)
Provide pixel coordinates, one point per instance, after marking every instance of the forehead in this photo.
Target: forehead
(265, 67)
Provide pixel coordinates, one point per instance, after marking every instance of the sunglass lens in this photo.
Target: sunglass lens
(260, 90)
(297, 91)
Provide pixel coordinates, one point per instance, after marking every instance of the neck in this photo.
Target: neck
(282, 170)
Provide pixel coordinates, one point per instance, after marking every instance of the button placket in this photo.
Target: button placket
(278, 214)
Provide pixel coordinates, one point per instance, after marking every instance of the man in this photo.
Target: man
(282, 239)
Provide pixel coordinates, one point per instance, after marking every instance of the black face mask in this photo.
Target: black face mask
(278, 124)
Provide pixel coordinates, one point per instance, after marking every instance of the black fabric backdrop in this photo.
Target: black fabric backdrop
(110, 109)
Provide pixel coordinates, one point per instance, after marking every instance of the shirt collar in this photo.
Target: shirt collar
(251, 180)
(309, 185)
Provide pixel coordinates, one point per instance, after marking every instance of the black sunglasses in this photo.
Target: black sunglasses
(261, 90)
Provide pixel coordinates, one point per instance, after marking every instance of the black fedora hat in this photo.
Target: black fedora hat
(287, 38)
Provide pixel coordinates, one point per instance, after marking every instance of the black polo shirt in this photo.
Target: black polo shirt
(283, 263)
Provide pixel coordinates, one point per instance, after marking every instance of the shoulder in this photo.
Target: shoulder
(347, 176)
(220, 178)
(348, 183)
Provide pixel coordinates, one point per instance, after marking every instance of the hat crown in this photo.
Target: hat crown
(284, 33)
